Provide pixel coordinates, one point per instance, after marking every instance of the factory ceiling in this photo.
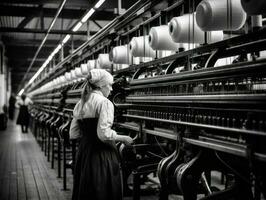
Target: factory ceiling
(24, 24)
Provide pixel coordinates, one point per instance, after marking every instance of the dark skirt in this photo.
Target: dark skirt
(23, 116)
(97, 171)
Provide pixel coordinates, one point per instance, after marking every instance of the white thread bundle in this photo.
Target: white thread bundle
(214, 15)
(160, 39)
(73, 74)
(256, 21)
(139, 47)
(103, 61)
(62, 79)
(91, 64)
(78, 72)
(68, 76)
(184, 29)
(120, 55)
(84, 69)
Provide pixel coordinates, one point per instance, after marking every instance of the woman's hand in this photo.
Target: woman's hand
(125, 139)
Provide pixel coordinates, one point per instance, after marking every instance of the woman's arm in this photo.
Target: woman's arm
(106, 118)
(74, 131)
(18, 103)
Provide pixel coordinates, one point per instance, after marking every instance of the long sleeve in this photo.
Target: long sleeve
(74, 131)
(30, 102)
(98, 106)
(19, 103)
(105, 122)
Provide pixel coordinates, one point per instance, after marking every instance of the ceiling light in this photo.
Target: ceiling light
(99, 3)
(21, 92)
(66, 39)
(50, 57)
(86, 17)
(78, 25)
(57, 49)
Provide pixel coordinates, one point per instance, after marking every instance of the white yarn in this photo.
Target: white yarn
(78, 72)
(139, 47)
(214, 15)
(120, 55)
(184, 29)
(103, 61)
(84, 69)
(160, 39)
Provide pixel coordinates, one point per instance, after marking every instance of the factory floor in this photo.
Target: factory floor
(26, 174)
(24, 170)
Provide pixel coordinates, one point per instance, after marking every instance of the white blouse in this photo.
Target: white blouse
(99, 107)
(26, 102)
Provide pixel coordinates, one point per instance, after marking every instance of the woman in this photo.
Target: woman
(97, 170)
(23, 116)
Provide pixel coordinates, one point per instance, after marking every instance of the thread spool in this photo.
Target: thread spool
(120, 55)
(139, 47)
(59, 81)
(136, 60)
(214, 15)
(254, 7)
(184, 29)
(91, 64)
(103, 61)
(160, 39)
(53, 83)
(84, 69)
(56, 81)
(116, 66)
(73, 74)
(62, 79)
(256, 21)
(68, 76)
(78, 72)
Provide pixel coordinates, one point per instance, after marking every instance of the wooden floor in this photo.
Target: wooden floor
(24, 170)
(25, 173)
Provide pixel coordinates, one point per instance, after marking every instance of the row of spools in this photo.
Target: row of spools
(206, 25)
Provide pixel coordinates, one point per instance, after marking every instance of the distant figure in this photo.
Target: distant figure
(11, 108)
(3, 118)
(24, 116)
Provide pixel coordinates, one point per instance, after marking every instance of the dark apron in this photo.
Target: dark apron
(23, 116)
(97, 172)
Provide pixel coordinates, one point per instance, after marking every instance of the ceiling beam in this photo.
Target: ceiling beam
(26, 49)
(34, 42)
(39, 31)
(19, 71)
(97, 24)
(19, 74)
(36, 60)
(25, 21)
(23, 11)
(72, 3)
(24, 62)
(25, 55)
(103, 15)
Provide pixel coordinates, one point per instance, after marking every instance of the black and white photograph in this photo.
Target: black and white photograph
(132, 99)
